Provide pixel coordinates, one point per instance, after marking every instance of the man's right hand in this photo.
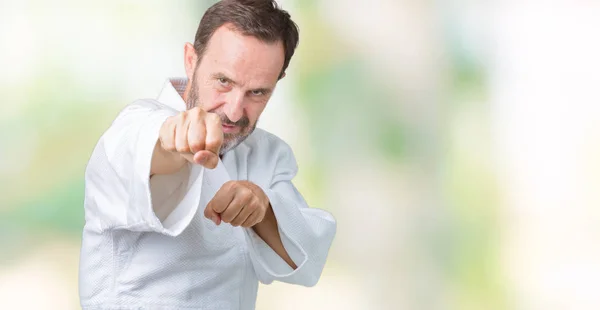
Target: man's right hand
(193, 135)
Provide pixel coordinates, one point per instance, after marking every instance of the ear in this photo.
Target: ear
(189, 60)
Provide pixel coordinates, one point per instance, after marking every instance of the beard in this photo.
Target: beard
(230, 140)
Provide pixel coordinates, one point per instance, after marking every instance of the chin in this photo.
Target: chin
(234, 140)
(230, 145)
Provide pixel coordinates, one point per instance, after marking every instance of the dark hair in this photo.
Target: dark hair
(261, 19)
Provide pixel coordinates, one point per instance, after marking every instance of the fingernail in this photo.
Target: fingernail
(214, 219)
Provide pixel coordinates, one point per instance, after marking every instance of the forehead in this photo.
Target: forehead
(243, 58)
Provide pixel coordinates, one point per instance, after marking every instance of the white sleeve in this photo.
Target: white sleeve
(118, 192)
(306, 233)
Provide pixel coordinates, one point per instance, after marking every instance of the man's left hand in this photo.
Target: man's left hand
(240, 203)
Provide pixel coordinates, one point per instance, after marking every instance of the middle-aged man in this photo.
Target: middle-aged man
(187, 204)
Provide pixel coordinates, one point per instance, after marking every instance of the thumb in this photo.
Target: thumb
(211, 214)
(206, 159)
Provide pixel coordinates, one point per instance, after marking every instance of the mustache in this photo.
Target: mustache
(242, 122)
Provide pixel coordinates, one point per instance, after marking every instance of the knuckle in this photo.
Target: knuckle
(215, 118)
(215, 140)
(167, 145)
(222, 209)
(196, 145)
(218, 209)
(183, 148)
(231, 185)
(168, 124)
(198, 113)
(169, 120)
(211, 144)
(182, 117)
(247, 194)
(256, 202)
(173, 120)
(210, 209)
(248, 201)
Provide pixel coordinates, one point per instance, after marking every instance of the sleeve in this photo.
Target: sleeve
(118, 194)
(306, 233)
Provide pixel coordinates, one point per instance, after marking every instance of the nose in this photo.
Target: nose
(234, 108)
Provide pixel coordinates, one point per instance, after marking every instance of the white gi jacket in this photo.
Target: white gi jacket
(146, 243)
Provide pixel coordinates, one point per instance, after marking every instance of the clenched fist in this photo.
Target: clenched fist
(194, 135)
(240, 203)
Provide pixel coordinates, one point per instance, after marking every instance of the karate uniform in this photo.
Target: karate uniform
(146, 243)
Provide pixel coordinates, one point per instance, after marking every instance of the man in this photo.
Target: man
(188, 206)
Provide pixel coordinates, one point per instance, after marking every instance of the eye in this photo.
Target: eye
(257, 92)
(223, 81)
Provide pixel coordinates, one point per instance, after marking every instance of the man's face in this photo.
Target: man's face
(235, 78)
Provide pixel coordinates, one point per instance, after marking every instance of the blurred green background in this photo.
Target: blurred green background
(456, 143)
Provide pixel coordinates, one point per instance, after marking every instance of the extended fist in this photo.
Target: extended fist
(240, 203)
(194, 134)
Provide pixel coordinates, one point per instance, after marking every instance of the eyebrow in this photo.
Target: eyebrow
(263, 90)
(221, 75)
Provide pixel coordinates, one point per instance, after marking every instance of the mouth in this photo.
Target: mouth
(230, 128)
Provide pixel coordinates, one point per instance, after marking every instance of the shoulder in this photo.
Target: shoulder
(142, 109)
(145, 105)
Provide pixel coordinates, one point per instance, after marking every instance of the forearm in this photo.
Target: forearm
(165, 162)
(268, 230)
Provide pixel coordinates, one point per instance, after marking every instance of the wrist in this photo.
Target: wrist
(269, 218)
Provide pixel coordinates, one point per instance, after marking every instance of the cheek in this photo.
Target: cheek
(210, 98)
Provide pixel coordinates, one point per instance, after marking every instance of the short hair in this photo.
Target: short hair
(262, 19)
